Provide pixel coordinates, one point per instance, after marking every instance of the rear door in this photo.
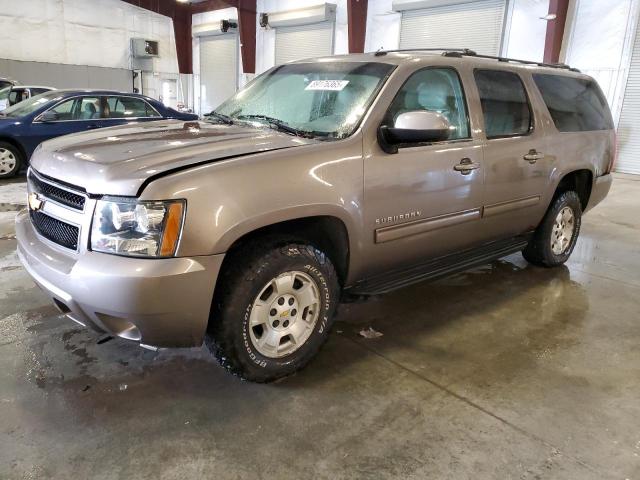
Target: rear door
(517, 166)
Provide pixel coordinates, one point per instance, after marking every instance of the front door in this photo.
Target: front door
(516, 158)
(74, 115)
(426, 200)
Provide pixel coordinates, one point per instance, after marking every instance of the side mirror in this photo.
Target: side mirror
(48, 116)
(417, 126)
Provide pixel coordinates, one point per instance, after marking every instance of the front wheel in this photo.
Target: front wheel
(10, 160)
(557, 234)
(273, 311)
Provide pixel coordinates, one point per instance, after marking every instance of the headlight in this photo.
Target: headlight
(139, 228)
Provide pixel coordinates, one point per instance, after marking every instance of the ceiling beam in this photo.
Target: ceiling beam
(357, 19)
(555, 30)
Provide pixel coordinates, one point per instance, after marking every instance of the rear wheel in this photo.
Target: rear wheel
(10, 160)
(273, 311)
(557, 234)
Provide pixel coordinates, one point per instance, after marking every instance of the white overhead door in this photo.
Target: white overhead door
(475, 25)
(218, 70)
(304, 41)
(629, 124)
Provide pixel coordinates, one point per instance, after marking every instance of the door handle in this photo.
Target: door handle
(533, 156)
(92, 126)
(466, 166)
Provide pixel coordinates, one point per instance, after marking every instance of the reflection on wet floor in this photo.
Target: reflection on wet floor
(505, 371)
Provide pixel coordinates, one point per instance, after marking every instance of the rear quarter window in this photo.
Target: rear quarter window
(575, 104)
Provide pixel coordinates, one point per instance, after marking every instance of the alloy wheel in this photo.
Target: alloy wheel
(284, 314)
(562, 232)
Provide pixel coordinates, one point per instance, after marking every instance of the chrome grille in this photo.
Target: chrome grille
(55, 230)
(54, 192)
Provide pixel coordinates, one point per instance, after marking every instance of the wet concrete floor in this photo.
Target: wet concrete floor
(507, 371)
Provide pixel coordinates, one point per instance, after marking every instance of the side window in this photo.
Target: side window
(151, 111)
(504, 102)
(15, 96)
(437, 90)
(575, 104)
(65, 109)
(129, 107)
(88, 108)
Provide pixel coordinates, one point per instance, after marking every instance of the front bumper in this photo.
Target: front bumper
(599, 190)
(159, 302)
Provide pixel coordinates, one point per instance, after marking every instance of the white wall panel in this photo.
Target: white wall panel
(599, 42)
(82, 32)
(526, 30)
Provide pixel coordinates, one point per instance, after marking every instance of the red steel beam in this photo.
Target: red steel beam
(357, 19)
(555, 30)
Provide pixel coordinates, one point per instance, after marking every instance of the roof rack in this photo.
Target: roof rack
(381, 52)
(465, 52)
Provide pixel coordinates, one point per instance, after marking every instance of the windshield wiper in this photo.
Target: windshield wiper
(224, 118)
(278, 124)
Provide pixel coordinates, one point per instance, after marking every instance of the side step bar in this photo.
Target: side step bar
(438, 267)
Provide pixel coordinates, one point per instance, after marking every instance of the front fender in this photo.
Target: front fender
(228, 199)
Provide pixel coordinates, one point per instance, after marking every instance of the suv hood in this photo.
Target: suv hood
(118, 160)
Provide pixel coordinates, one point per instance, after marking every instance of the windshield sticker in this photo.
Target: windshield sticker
(336, 85)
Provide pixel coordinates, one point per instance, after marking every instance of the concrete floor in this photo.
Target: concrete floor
(508, 371)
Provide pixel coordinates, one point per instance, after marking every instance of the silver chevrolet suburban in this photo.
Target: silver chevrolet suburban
(321, 179)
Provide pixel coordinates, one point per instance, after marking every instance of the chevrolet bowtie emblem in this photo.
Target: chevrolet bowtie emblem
(35, 203)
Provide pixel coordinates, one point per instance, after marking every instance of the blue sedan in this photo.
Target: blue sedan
(60, 112)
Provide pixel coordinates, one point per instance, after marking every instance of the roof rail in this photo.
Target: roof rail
(465, 52)
(446, 50)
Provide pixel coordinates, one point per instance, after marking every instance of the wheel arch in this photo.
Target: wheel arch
(12, 141)
(328, 233)
(579, 181)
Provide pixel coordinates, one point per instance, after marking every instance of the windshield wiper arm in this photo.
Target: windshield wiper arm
(224, 118)
(279, 124)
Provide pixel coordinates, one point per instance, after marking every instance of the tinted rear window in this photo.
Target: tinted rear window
(504, 103)
(575, 104)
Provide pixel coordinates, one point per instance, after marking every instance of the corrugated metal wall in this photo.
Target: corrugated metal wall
(474, 25)
(304, 41)
(629, 124)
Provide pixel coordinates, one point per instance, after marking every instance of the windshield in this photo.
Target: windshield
(316, 99)
(30, 105)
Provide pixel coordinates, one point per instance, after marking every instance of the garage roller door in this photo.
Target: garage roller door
(629, 125)
(218, 70)
(475, 25)
(304, 41)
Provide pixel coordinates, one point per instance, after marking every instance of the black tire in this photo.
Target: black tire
(539, 251)
(250, 269)
(19, 160)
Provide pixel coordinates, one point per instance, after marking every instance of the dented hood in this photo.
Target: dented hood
(118, 160)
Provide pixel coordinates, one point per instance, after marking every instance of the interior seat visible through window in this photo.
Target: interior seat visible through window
(436, 90)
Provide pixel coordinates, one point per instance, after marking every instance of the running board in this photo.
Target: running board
(438, 267)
